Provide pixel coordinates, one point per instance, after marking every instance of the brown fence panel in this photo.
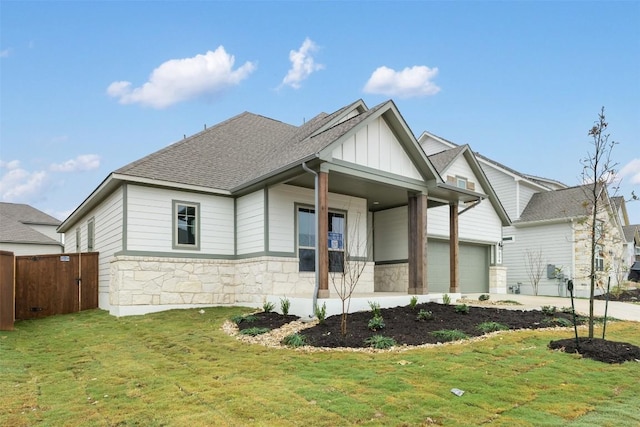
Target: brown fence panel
(7, 290)
(55, 284)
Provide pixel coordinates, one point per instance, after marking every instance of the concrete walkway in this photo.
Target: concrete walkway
(617, 310)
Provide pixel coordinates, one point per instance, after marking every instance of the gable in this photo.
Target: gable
(376, 146)
(460, 168)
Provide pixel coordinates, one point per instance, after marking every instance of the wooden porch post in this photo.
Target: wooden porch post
(323, 234)
(454, 270)
(417, 244)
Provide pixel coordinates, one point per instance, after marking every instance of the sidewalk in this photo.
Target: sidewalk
(617, 310)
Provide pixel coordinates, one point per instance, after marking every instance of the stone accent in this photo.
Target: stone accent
(497, 279)
(139, 281)
(391, 277)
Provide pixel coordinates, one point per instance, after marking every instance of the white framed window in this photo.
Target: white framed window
(307, 239)
(599, 260)
(78, 240)
(91, 229)
(599, 230)
(186, 225)
(461, 182)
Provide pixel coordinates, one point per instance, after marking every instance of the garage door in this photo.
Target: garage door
(473, 267)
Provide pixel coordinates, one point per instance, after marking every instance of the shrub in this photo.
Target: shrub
(321, 312)
(376, 323)
(294, 340)
(285, 304)
(484, 297)
(413, 302)
(491, 327)
(446, 299)
(425, 315)
(268, 307)
(237, 319)
(558, 321)
(375, 308)
(549, 310)
(380, 342)
(462, 309)
(446, 335)
(254, 331)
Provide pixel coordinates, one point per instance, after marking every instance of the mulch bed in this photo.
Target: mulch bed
(402, 324)
(628, 295)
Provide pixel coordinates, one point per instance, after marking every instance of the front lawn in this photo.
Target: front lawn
(180, 368)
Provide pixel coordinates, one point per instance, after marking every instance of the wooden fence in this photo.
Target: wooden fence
(54, 284)
(7, 305)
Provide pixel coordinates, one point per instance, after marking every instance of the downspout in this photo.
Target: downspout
(476, 203)
(317, 255)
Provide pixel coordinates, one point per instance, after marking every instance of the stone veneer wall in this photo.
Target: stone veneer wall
(155, 281)
(497, 279)
(391, 277)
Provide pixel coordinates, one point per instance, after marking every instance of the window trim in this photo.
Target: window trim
(91, 235)
(297, 207)
(174, 224)
(599, 258)
(78, 240)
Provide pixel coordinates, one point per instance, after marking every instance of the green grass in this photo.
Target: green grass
(179, 368)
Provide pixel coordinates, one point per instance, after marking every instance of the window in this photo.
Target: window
(599, 261)
(307, 240)
(186, 225)
(90, 235)
(461, 182)
(599, 230)
(78, 240)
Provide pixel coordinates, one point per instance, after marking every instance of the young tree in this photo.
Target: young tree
(535, 268)
(598, 172)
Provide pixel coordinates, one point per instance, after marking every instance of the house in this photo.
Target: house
(228, 215)
(548, 239)
(25, 230)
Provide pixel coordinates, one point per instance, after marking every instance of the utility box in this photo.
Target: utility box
(551, 271)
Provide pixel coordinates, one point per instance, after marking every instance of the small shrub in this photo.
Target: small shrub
(487, 327)
(249, 318)
(321, 312)
(462, 309)
(285, 304)
(425, 315)
(558, 321)
(376, 323)
(446, 335)
(566, 310)
(508, 302)
(484, 297)
(549, 310)
(237, 319)
(254, 331)
(294, 340)
(375, 308)
(380, 342)
(413, 302)
(446, 299)
(268, 307)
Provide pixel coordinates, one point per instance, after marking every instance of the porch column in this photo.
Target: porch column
(417, 244)
(322, 245)
(454, 270)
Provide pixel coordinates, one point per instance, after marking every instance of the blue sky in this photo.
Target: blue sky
(87, 87)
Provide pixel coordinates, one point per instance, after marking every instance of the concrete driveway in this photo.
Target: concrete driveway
(617, 310)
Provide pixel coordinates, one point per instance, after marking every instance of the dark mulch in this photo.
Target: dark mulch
(628, 295)
(599, 349)
(402, 324)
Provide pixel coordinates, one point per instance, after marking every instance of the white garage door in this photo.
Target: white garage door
(473, 267)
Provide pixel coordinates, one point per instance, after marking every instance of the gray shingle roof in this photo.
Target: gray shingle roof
(14, 228)
(444, 158)
(631, 231)
(564, 203)
(239, 150)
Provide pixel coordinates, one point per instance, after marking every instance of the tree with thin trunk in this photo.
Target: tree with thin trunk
(535, 267)
(598, 172)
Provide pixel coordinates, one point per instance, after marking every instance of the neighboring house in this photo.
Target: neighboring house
(227, 216)
(548, 228)
(24, 230)
(632, 243)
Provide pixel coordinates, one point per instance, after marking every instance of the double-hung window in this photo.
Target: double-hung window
(307, 240)
(91, 229)
(599, 261)
(186, 225)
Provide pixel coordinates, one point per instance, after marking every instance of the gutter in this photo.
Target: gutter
(476, 203)
(317, 255)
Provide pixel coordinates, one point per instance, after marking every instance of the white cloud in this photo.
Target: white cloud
(408, 83)
(18, 184)
(302, 64)
(83, 162)
(632, 171)
(179, 80)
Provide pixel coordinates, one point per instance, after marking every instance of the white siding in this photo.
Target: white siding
(30, 249)
(525, 194)
(47, 230)
(376, 146)
(390, 231)
(555, 243)
(479, 224)
(432, 146)
(250, 223)
(282, 233)
(150, 221)
(505, 187)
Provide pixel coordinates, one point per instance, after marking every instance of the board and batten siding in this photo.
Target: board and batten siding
(250, 223)
(376, 146)
(555, 241)
(390, 231)
(282, 218)
(150, 221)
